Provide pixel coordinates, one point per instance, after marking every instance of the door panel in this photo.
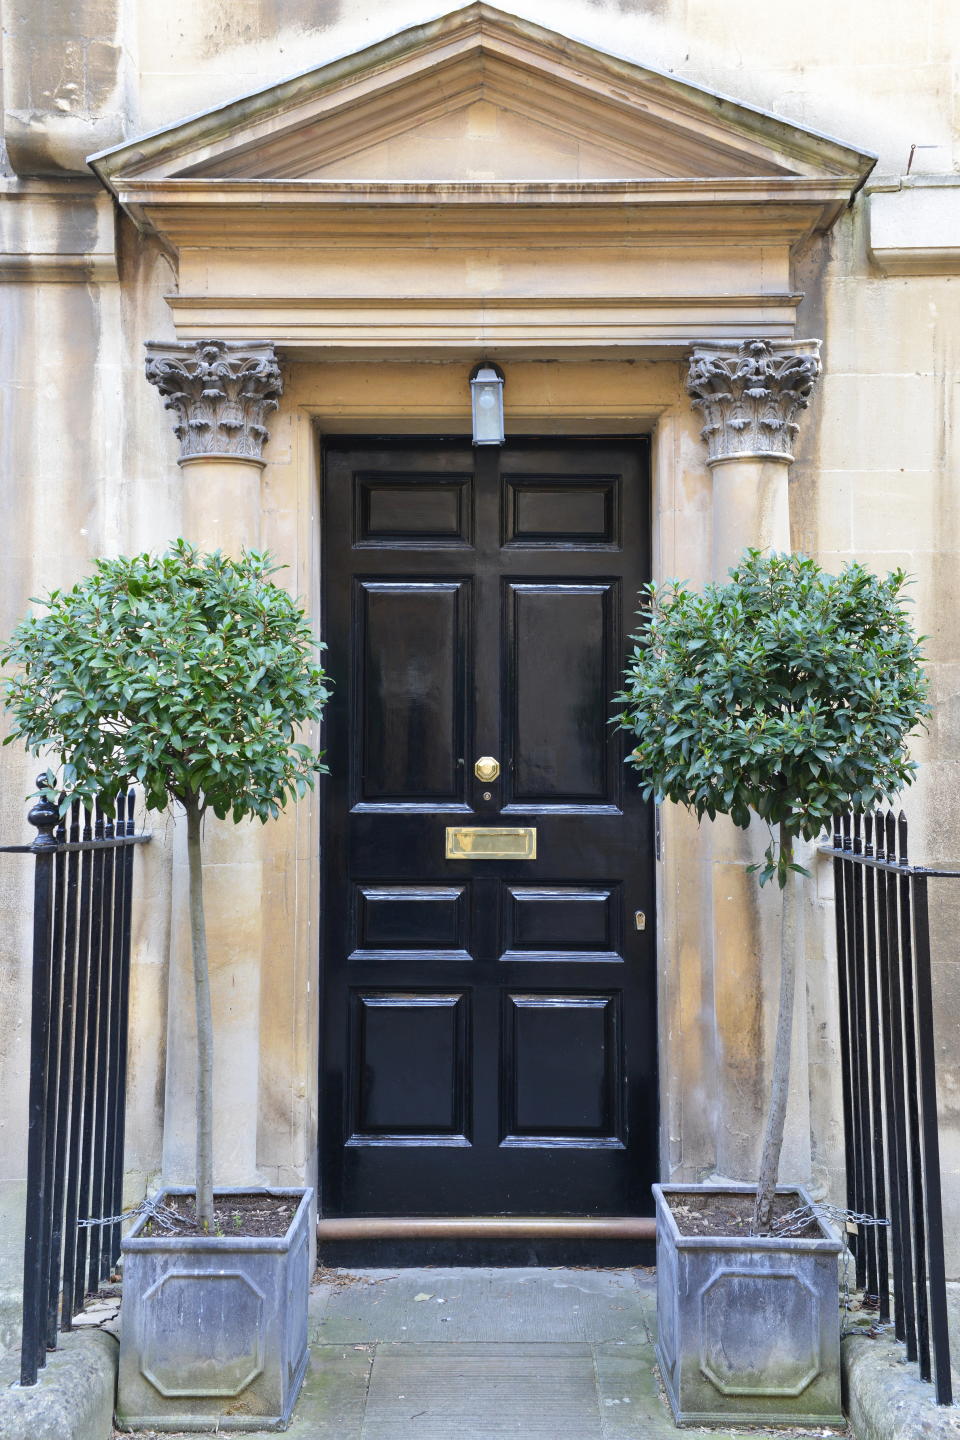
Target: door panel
(435, 512)
(413, 647)
(549, 512)
(562, 922)
(560, 648)
(562, 1070)
(409, 1071)
(488, 1035)
(394, 922)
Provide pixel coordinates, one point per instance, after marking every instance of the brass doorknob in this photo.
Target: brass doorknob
(486, 769)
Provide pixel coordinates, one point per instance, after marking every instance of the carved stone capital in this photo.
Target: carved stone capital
(220, 391)
(750, 395)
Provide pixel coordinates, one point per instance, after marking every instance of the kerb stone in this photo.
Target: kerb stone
(73, 1396)
(885, 1398)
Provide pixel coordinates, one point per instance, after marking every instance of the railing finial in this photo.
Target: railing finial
(44, 817)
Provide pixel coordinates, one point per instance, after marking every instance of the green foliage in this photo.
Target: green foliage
(186, 673)
(786, 692)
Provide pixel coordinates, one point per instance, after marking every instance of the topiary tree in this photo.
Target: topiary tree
(786, 693)
(189, 674)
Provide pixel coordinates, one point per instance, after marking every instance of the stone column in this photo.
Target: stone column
(220, 393)
(750, 396)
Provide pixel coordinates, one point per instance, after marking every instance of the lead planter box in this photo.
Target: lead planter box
(748, 1326)
(214, 1328)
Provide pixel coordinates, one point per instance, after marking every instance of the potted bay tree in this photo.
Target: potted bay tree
(786, 694)
(192, 676)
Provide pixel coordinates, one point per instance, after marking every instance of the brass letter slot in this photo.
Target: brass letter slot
(486, 842)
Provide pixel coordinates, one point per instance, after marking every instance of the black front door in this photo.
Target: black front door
(488, 1023)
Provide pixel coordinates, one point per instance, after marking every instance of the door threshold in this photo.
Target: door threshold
(487, 1227)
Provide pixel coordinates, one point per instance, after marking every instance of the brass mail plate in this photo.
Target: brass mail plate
(487, 842)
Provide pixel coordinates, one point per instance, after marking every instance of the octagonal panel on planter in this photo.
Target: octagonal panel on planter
(756, 1325)
(204, 1337)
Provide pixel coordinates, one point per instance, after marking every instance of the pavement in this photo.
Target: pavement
(471, 1354)
(483, 1354)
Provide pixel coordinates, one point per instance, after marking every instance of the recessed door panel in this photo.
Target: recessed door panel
(561, 1076)
(398, 921)
(409, 1068)
(561, 647)
(418, 510)
(488, 1002)
(412, 649)
(541, 511)
(562, 922)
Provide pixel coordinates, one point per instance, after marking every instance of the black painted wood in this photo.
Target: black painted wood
(489, 1035)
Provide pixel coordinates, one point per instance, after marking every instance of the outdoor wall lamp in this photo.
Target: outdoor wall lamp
(486, 394)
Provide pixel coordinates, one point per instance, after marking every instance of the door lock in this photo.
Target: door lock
(639, 920)
(487, 769)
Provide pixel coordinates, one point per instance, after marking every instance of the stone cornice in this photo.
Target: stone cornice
(236, 213)
(220, 391)
(750, 395)
(585, 326)
(56, 230)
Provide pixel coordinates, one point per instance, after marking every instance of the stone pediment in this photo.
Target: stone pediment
(543, 194)
(480, 97)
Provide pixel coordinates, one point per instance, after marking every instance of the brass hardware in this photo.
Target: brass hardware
(487, 769)
(488, 842)
(640, 920)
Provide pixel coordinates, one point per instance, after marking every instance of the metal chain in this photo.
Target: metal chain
(796, 1221)
(166, 1218)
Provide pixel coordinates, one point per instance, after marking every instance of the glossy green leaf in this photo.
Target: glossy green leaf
(787, 693)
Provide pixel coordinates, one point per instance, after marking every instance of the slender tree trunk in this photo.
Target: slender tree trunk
(201, 991)
(780, 1080)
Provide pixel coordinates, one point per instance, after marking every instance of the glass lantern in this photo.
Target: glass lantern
(486, 393)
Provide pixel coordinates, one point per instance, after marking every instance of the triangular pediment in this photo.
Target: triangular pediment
(486, 142)
(481, 97)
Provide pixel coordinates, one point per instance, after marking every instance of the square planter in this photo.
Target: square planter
(748, 1326)
(214, 1328)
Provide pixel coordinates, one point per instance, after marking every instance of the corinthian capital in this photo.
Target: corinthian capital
(220, 391)
(750, 395)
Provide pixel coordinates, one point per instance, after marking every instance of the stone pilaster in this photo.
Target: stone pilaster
(750, 396)
(221, 392)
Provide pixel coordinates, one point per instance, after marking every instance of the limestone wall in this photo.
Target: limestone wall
(89, 467)
(85, 473)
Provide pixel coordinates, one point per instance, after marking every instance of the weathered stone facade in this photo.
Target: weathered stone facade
(365, 232)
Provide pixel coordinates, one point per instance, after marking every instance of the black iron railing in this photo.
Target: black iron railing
(78, 1054)
(889, 1082)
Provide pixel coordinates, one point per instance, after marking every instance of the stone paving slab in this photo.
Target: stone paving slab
(334, 1394)
(433, 1392)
